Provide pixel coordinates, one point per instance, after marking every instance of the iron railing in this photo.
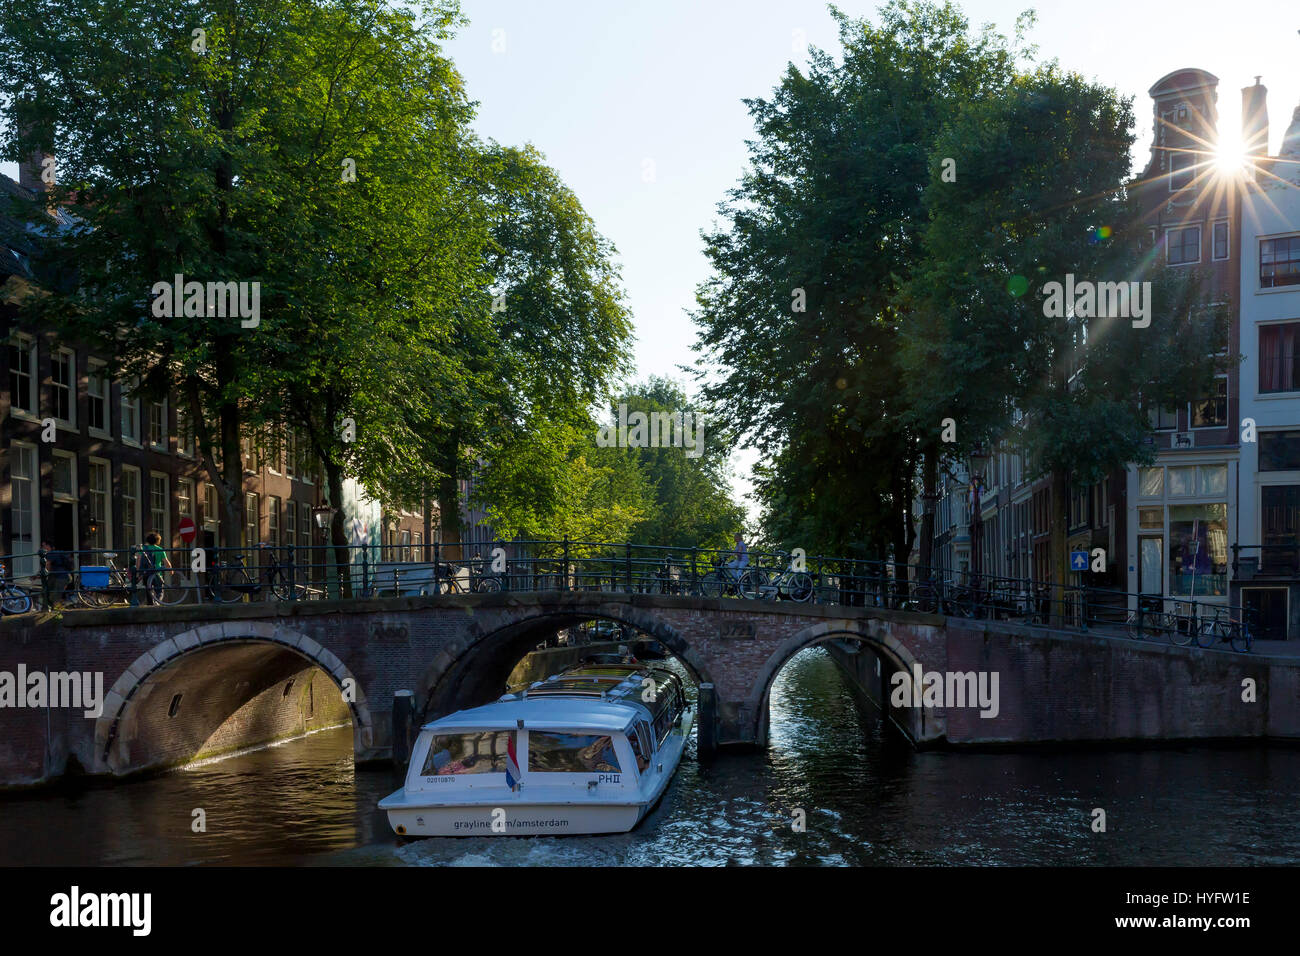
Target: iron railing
(99, 578)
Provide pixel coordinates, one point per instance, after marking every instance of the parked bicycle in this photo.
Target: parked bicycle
(1224, 628)
(789, 583)
(455, 579)
(104, 585)
(14, 599)
(1150, 623)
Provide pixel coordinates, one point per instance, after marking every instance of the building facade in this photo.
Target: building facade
(1267, 579)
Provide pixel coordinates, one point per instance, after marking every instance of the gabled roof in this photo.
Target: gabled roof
(1183, 81)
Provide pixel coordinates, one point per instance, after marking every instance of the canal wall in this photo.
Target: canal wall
(1065, 688)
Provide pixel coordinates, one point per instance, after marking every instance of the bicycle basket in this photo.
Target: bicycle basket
(94, 576)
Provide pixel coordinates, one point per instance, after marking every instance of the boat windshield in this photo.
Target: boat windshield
(550, 752)
(475, 752)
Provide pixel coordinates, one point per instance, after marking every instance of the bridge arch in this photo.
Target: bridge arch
(268, 652)
(875, 634)
(473, 667)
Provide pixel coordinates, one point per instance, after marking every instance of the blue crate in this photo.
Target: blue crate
(93, 576)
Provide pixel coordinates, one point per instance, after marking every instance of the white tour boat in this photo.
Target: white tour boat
(588, 750)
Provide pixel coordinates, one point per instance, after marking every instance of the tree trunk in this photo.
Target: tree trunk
(338, 534)
(232, 467)
(449, 516)
(929, 497)
(1059, 552)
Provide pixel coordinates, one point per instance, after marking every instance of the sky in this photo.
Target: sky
(639, 106)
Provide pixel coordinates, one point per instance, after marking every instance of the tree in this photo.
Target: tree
(210, 145)
(799, 322)
(692, 503)
(990, 344)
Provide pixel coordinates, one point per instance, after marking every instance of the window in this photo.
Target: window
(1162, 419)
(211, 509)
(63, 384)
(184, 431)
(1182, 482)
(304, 524)
(97, 400)
(158, 425)
(1151, 518)
(1151, 482)
(251, 526)
(130, 417)
(571, 753)
(1212, 412)
(290, 453)
(484, 752)
(1279, 361)
(1078, 506)
(290, 523)
(1220, 251)
(130, 506)
(1183, 245)
(1212, 480)
(100, 534)
(1279, 262)
(158, 511)
(1279, 451)
(23, 530)
(273, 520)
(1280, 521)
(1198, 549)
(248, 453)
(185, 498)
(22, 375)
(63, 471)
(1181, 170)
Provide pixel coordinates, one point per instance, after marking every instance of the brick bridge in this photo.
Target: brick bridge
(199, 680)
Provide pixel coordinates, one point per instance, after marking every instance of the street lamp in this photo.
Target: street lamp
(978, 458)
(323, 514)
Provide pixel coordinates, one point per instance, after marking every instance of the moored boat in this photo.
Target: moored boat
(589, 750)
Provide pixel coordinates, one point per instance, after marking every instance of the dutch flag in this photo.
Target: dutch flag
(512, 764)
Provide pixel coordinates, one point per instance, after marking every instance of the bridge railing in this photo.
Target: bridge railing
(143, 575)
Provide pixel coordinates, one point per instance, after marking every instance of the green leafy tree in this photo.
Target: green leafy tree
(799, 324)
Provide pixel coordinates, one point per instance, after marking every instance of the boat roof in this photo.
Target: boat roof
(604, 698)
(541, 713)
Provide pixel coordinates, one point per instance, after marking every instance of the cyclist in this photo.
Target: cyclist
(58, 564)
(741, 561)
(152, 558)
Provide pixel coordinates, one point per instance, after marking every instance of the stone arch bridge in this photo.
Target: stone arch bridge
(195, 680)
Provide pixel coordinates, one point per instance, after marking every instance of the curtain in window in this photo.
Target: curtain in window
(1277, 358)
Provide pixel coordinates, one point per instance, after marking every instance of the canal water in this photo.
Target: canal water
(866, 800)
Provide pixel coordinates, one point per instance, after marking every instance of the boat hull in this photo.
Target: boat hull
(542, 819)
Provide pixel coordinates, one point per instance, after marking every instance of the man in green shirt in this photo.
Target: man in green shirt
(152, 559)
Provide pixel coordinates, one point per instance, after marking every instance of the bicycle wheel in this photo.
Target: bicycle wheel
(281, 591)
(712, 585)
(1180, 630)
(1209, 633)
(752, 583)
(963, 603)
(166, 586)
(14, 600)
(800, 587)
(488, 585)
(229, 586)
(1241, 638)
